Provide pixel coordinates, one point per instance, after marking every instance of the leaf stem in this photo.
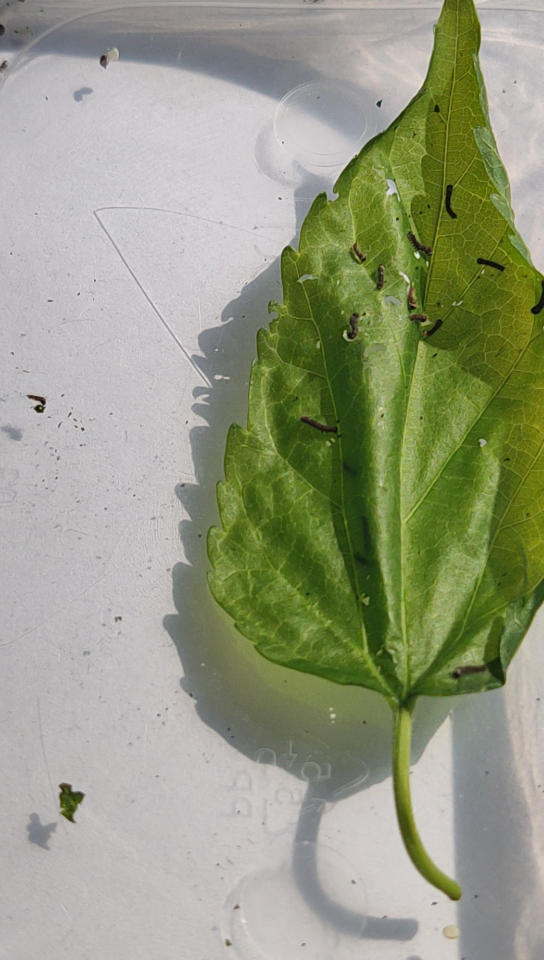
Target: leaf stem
(402, 741)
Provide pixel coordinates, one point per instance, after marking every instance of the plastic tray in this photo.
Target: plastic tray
(241, 810)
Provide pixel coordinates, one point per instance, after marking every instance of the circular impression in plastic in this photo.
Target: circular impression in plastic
(324, 123)
(307, 901)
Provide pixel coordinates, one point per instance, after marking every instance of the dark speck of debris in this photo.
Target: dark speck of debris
(228, 943)
(4, 65)
(86, 653)
(117, 619)
(379, 103)
(34, 396)
(104, 61)
(12, 432)
(236, 906)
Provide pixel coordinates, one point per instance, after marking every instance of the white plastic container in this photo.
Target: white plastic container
(231, 808)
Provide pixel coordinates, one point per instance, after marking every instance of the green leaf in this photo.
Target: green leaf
(69, 800)
(404, 551)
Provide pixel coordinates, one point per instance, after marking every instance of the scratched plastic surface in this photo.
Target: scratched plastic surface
(231, 809)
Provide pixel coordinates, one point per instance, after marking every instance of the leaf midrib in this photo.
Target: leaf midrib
(417, 363)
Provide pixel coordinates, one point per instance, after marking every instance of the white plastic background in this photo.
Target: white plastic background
(144, 207)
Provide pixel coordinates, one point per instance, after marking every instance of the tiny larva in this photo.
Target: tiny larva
(360, 257)
(449, 191)
(436, 326)
(417, 245)
(323, 427)
(490, 263)
(467, 671)
(538, 306)
(412, 299)
(354, 326)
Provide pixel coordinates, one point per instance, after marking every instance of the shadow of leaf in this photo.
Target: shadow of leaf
(338, 738)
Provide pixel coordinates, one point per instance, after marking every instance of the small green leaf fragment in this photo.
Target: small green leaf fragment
(69, 800)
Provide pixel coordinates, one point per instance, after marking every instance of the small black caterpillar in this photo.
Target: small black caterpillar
(437, 325)
(319, 426)
(449, 191)
(354, 326)
(418, 245)
(490, 263)
(465, 671)
(538, 306)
